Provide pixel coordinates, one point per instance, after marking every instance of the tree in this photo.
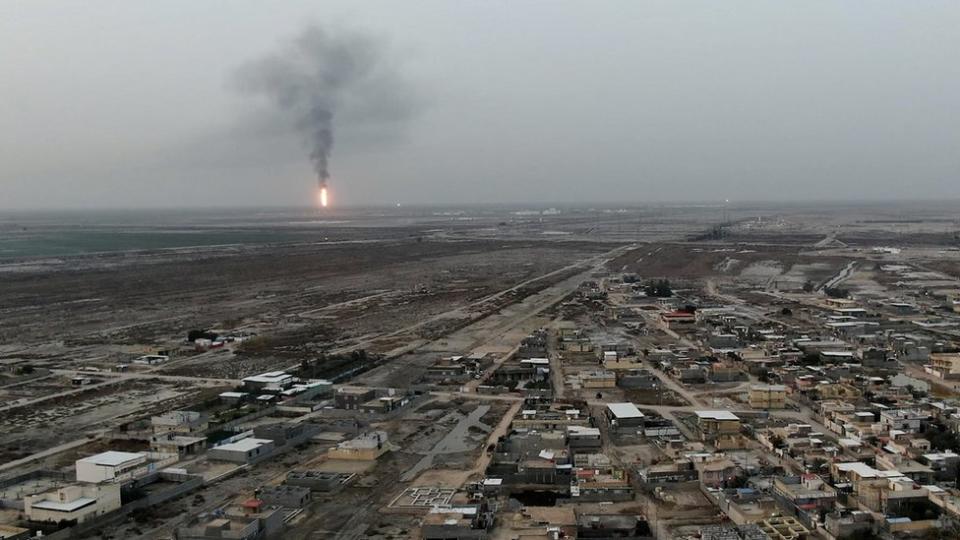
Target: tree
(194, 335)
(941, 437)
(658, 289)
(836, 292)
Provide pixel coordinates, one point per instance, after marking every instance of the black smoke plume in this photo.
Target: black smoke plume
(323, 77)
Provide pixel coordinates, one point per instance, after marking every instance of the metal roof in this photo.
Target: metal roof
(64, 506)
(717, 415)
(244, 445)
(624, 410)
(113, 458)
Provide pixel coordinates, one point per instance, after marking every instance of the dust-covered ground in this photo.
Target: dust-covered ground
(345, 291)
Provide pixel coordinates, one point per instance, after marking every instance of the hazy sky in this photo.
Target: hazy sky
(130, 103)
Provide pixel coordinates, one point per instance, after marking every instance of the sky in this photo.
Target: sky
(134, 103)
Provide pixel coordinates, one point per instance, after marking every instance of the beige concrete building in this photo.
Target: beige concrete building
(945, 365)
(366, 447)
(720, 428)
(181, 422)
(768, 396)
(599, 378)
(78, 502)
(111, 466)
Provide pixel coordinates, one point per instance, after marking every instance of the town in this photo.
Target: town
(720, 387)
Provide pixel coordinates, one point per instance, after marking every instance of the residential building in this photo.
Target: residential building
(583, 437)
(180, 422)
(665, 473)
(318, 480)
(876, 358)
(945, 365)
(351, 398)
(807, 492)
(598, 378)
(639, 378)
(768, 396)
(284, 433)
(151, 359)
(907, 420)
(182, 445)
(725, 371)
(367, 447)
(678, 319)
(613, 485)
(271, 382)
(611, 526)
(944, 464)
(285, 495)
(624, 415)
(110, 466)
(245, 451)
(78, 502)
(721, 428)
(716, 472)
(236, 525)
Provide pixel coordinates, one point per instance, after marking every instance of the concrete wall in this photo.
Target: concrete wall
(236, 456)
(194, 482)
(25, 477)
(107, 500)
(288, 496)
(266, 411)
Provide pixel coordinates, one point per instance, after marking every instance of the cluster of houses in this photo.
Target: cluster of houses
(841, 419)
(182, 450)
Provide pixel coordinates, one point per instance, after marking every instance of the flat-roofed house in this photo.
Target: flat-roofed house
(721, 428)
(624, 415)
(272, 381)
(110, 466)
(79, 502)
(945, 365)
(768, 396)
(248, 450)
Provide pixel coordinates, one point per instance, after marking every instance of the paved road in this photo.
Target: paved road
(52, 451)
(672, 384)
(127, 375)
(64, 393)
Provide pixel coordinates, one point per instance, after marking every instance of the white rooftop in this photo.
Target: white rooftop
(536, 361)
(64, 506)
(940, 455)
(244, 445)
(717, 415)
(269, 377)
(370, 439)
(624, 410)
(769, 387)
(584, 431)
(866, 471)
(114, 458)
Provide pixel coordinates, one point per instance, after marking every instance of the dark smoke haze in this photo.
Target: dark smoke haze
(321, 74)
